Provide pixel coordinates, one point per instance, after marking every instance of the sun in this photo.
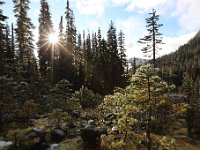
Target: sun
(53, 38)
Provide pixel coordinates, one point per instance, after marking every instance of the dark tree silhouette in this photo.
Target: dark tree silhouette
(154, 36)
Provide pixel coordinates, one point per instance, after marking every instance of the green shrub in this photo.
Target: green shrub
(87, 98)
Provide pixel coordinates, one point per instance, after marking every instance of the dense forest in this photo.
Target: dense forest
(81, 93)
(185, 59)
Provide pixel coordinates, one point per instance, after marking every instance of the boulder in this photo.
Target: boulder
(37, 133)
(91, 135)
(115, 130)
(4, 144)
(102, 131)
(57, 135)
(54, 146)
(75, 114)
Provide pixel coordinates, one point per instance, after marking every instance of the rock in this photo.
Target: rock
(37, 133)
(90, 136)
(115, 129)
(102, 131)
(31, 136)
(4, 144)
(54, 146)
(75, 114)
(57, 135)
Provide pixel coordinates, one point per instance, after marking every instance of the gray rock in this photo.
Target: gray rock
(115, 129)
(102, 131)
(4, 144)
(75, 114)
(54, 146)
(37, 133)
(57, 135)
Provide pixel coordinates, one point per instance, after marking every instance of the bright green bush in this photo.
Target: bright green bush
(87, 98)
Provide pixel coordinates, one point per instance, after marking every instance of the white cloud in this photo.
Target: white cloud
(119, 2)
(144, 4)
(91, 7)
(36, 0)
(188, 15)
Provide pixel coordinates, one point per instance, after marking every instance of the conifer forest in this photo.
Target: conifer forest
(82, 93)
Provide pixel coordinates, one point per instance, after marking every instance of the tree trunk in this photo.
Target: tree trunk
(154, 43)
(148, 130)
(149, 113)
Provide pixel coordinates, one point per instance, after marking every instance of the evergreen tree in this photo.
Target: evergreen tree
(188, 88)
(122, 49)
(44, 47)
(78, 54)
(104, 63)
(97, 64)
(66, 57)
(61, 31)
(24, 39)
(122, 58)
(185, 59)
(70, 29)
(2, 40)
(9, 53)
(137, 105)
(115, 71)
(154, 36)
(87, 55)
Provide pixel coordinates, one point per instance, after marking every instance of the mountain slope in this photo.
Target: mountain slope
(185, 59)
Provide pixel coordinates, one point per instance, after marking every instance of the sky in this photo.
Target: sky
(180, 19)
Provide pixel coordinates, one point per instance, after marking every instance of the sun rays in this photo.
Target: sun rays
(53, 38)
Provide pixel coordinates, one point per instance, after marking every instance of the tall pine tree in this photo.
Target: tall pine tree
(24, 39)
(44, 48)
(2, 40)
(115, 75)
(154, 36)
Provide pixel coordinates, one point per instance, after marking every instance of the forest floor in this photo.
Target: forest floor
(74, 142)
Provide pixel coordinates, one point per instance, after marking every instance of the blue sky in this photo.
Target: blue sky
(180, 19)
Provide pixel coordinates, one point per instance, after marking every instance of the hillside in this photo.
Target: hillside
(185, 59)
(138, 61)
